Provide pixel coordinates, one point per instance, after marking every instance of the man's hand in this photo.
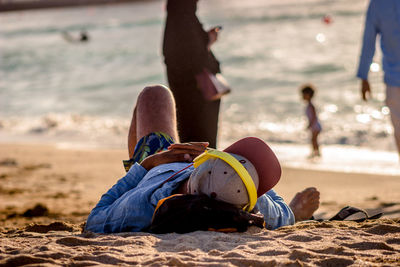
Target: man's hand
(212, 36)
(365, 89)
(176, 153)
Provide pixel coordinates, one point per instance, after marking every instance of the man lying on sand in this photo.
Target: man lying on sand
(242, 175)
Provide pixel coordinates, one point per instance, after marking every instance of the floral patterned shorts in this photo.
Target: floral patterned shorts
(147, 146)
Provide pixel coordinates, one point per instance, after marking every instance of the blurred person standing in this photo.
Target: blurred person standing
(314, 125)
(187, 51)
(383, 19)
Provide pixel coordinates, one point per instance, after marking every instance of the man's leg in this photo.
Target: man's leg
(154, 112)
(393, 102)
(132, 135)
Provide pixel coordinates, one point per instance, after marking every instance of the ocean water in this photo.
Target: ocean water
(82, 94)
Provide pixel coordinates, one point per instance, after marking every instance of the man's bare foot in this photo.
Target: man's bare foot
(305, 203)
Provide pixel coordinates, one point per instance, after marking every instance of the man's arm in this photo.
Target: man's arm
(368, 49)
(276, 212)
(108, 214)
(131, 180)
(175, 153)
(185, 152)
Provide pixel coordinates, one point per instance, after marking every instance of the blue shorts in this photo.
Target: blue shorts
(147, 146)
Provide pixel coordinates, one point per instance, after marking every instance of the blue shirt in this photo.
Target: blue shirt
(383, 18)
(129, 205)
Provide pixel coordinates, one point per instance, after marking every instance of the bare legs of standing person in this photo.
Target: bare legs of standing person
(315, 145)
(393, 102)
(154, 112)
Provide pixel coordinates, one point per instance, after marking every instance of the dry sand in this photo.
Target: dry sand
(46, 194)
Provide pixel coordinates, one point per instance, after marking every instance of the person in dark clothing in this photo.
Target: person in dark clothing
(186, 50)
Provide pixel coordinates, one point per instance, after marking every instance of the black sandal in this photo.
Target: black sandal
(347, 213)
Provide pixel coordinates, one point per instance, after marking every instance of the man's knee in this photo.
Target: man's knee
(155, 93)
(156, 112)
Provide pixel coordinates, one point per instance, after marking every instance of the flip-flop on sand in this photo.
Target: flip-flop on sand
(350, 213)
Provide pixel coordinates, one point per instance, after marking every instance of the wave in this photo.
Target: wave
(289, 131)
(353, 150)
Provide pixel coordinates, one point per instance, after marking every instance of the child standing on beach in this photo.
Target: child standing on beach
(308, 91)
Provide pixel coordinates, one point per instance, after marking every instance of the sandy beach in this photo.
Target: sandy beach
(47, 193)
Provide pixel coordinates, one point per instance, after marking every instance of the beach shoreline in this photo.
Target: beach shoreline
(65, 109)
